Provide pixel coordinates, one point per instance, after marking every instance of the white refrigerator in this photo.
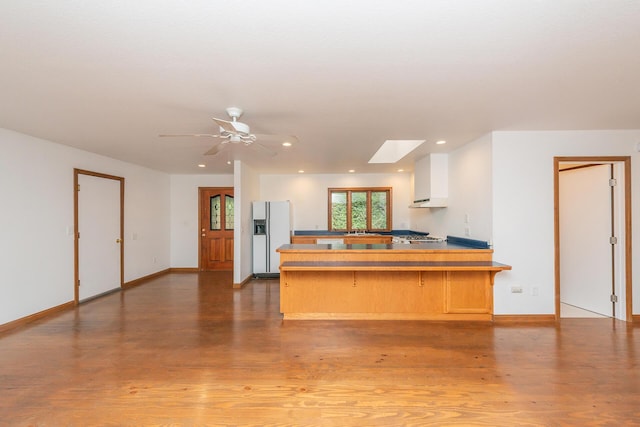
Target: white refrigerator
(271, 229)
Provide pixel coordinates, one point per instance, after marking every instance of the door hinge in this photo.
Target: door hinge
(613, 182)
(613, 240)
(78, 234)
(614, 298)
(78, 282)
(78, 189)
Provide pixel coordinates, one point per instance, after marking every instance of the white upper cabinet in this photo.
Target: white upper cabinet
(431, 181)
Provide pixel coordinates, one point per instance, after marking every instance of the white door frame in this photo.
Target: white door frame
(76, 246)
(624, 240)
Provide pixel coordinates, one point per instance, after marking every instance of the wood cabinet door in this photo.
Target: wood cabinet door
(303, 240)
(469, 292)
(216, 229)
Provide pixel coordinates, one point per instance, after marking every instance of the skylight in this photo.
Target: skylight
(394, 149)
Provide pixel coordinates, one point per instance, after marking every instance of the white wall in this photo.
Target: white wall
(184, 215)
(470, 182)
(36, 251)
(247, 188)
(523, 230)
(146, 210)
(309, 197)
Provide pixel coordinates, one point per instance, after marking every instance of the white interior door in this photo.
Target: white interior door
(99, 243)
(585, 228)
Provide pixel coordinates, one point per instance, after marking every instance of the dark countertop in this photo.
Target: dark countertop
(344, 233)
(454, 242)
(435, 246)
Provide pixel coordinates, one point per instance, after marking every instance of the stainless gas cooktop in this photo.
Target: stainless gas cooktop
(417, 238)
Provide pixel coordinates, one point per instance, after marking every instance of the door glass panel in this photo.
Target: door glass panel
(228, 213)
(379, 209)
(358, 210)
(339, 210)
(215, 218)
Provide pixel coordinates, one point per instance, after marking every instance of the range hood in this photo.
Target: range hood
(431, 181)
(439, 202)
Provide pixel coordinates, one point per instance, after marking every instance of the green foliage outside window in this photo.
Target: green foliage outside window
(362, 209)
(339, 211)
(358, 210)
(379, 210)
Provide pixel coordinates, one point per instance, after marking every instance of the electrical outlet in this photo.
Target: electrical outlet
(467, 231)
(516, 289)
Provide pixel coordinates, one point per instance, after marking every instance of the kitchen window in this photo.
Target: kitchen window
(360, 209)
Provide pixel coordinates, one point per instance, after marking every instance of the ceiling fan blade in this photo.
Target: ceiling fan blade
(276, 139)
(208, 135)
(225, 124)
(214, 150)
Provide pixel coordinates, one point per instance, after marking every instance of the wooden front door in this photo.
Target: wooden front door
(216, 229)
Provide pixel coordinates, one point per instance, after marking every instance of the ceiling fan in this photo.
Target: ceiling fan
(235, 132)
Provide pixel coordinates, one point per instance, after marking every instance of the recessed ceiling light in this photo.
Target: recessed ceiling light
(286, 144)
(228, 162)
(442, 141)
(393, 150)
(202, 166)
(400, 170)
(352, 170)
(300, 171)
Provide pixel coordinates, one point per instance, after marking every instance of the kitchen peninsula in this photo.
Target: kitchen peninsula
(360, 238)
(429, 281)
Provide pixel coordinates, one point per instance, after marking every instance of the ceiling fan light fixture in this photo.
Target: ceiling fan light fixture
(235, 139)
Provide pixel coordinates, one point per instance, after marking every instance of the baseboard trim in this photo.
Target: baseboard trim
(244, 282)
(184, 270)
(635, 318)
(36, 316)
(139, 281)
(523, 318)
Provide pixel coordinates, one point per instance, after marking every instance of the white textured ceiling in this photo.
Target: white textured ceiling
(343, 76)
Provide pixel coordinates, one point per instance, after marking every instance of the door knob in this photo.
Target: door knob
(118, 240)
(203, 230)
(202, 234)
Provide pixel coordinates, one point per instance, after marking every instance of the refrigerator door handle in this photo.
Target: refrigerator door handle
(268, 232)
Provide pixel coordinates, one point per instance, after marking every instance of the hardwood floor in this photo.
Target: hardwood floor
(568, 310)
(187, 349)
